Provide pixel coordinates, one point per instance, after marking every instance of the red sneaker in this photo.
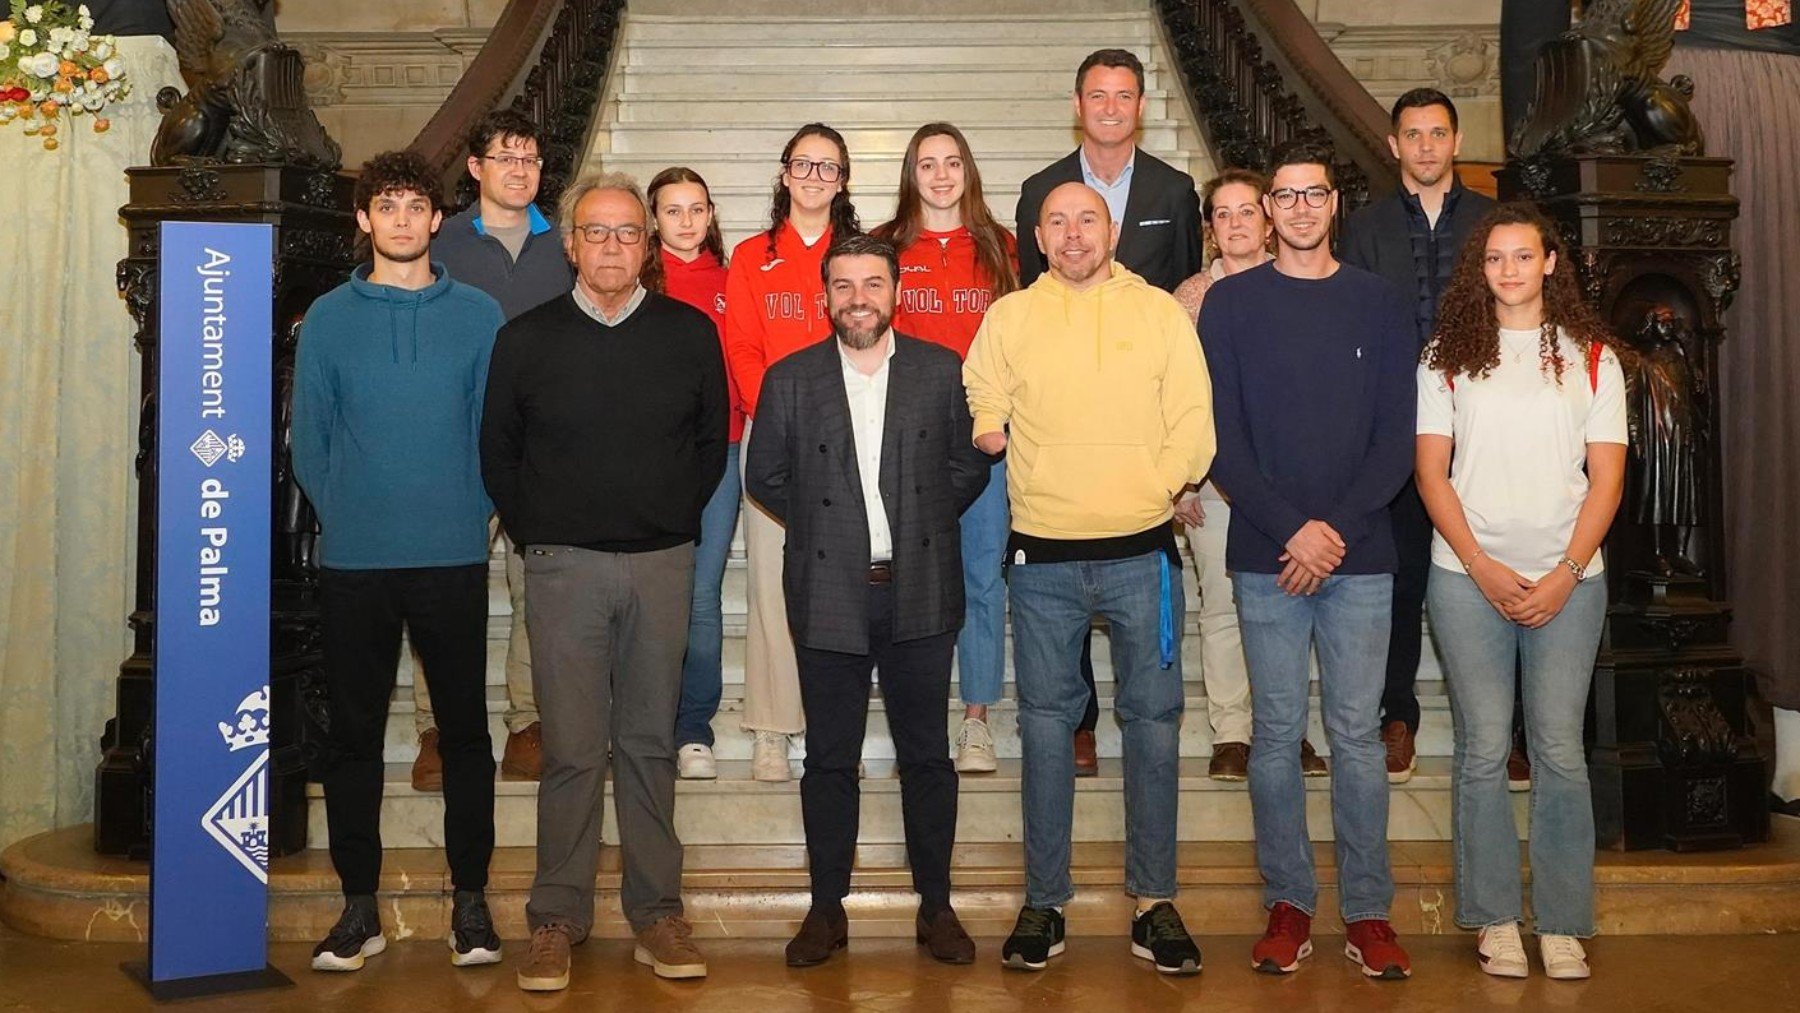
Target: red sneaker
(1286, 943)
(1371, 943)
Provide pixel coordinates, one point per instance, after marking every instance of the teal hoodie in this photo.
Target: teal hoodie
(388, 388)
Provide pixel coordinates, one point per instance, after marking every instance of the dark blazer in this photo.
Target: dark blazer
(802, 468)
(1160, 237)
(1378, 239)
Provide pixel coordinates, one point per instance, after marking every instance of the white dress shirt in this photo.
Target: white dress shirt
(868, 414)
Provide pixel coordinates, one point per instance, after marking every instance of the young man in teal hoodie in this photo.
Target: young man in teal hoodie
(390, 376)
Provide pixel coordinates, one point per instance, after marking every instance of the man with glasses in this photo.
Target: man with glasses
(503, 246)
(1312, 364)
(603, 436)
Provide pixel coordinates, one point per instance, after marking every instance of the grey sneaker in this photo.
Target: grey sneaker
(975, 748)
(694, 762)
(769, 761)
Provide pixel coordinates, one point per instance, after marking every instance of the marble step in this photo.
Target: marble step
(748, 177)
(1031, 78)
(939, 103)
(870, 136)
(737, 810)
(948, 50)
(746, 32)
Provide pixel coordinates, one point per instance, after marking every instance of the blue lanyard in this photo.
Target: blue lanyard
(1165, 627)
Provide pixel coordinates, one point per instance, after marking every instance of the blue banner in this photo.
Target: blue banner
(210, 837)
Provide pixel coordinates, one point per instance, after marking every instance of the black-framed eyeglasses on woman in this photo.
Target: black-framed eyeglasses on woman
(801, 168)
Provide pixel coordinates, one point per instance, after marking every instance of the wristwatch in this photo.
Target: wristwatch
(1575, 568)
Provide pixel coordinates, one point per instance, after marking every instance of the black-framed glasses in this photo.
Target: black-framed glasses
(801, 168)
(1287, 196)
(627, 235)
(515, 161)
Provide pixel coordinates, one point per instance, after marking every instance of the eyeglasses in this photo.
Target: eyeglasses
(1287, 196)
(627, 235)
(515, 161)
(801, 168)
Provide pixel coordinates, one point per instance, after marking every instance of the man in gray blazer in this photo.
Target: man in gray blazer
(862, 452)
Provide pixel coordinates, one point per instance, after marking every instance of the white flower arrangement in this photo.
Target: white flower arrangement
(56, 66)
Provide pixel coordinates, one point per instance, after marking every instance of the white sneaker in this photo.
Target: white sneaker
(1501, 951)
(1564, 959)
(694, 762)
(975, 748)
(769, 760)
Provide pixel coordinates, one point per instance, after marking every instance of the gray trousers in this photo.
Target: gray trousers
(608, 631)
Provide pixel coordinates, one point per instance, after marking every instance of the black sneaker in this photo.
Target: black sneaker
(1036, 937)
(356, 936)
(1158, 936)
(472, 936)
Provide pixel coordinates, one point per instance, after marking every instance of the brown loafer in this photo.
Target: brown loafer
(1230, 761)
(1087, 755)
(1311, 763)
(819, 937)
(943, 937)
(428, 768)
(524, 756)
(1397, 739)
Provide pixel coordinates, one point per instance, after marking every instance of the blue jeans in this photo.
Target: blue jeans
(1556, 663)
(1348, 621)
(1052, 605)
(701, 674)
(981, 646)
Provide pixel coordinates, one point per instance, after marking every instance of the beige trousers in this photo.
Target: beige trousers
(771, 676)
(1222, 665)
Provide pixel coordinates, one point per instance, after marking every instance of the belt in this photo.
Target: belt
(881, 573)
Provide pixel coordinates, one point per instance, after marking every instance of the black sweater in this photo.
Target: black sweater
(608, 438)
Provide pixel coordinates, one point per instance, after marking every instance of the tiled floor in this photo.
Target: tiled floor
(1639, 974)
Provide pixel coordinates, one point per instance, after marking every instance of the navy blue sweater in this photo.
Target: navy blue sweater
(1313, 399)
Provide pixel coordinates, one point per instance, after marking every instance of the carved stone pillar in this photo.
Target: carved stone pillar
(1673, 761)
(314, 231)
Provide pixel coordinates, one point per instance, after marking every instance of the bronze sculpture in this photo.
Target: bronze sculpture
(246, 99)
(1598, 89)
(1666, 413)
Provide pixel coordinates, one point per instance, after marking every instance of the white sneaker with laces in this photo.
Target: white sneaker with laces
(1501, 952)
(694, 762)
(975, 748)
(769, 760)
(1564, 958)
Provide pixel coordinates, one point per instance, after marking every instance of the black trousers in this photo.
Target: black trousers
(1090, 718)
(1412, 543)
(445, 610)
(834, 692)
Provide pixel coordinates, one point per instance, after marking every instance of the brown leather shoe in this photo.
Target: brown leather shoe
(1518, 767)
(1087, 756)
(1401, 758)
(943, 937)
(428, 769)
(546, 964)
(524, 756)
(1230, 761)
(1311, 763)
(819, 937)
(667, 947)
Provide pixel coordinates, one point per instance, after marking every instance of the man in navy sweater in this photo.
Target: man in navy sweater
(1312, 364)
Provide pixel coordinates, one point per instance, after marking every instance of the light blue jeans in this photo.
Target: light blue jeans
(1052, 605)
(1348, 621)
(981, 646)
(702, 669)
(1556, 663)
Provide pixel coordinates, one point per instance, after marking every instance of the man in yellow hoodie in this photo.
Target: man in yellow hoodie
(1093, 383)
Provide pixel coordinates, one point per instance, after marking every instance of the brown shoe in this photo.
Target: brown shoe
(1518, 767)
(1311, 763)
(524, 756)
(1230, 761)
(1087, 756)
(819, 937)
(546, 964)
(428, 769)
(1401, 758)
(667, 947)
(943, 937)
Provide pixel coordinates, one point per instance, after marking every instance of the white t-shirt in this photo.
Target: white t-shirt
(1521, 449)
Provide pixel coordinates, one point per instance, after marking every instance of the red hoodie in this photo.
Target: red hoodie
(701, 284)
(774, 306)
(943, 292)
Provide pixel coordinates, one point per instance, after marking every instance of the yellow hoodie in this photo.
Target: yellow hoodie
(1108, 400)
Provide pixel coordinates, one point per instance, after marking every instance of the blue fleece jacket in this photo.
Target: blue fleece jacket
(388, 389)
(1313, 401)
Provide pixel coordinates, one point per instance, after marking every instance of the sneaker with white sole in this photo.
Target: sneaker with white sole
(975, 748)
(769, 758)
(1564, 958)
(356, 937)
(1501, 952)
(694, 762)
(473, 940)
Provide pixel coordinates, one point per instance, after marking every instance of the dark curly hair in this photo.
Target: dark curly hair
(1467, 339)
(398, 172)
(844, 221)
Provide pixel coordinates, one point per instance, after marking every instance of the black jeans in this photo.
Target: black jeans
(445, 610)
(1412, 543)
(834, 691)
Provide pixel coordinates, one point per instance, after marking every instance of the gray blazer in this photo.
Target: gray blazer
(802, 468)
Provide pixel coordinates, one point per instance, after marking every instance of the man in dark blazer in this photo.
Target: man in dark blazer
(862, 452)
(1154, 205)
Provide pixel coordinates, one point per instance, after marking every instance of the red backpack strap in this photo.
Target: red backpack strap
(1594, 351)
(1450, 378)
